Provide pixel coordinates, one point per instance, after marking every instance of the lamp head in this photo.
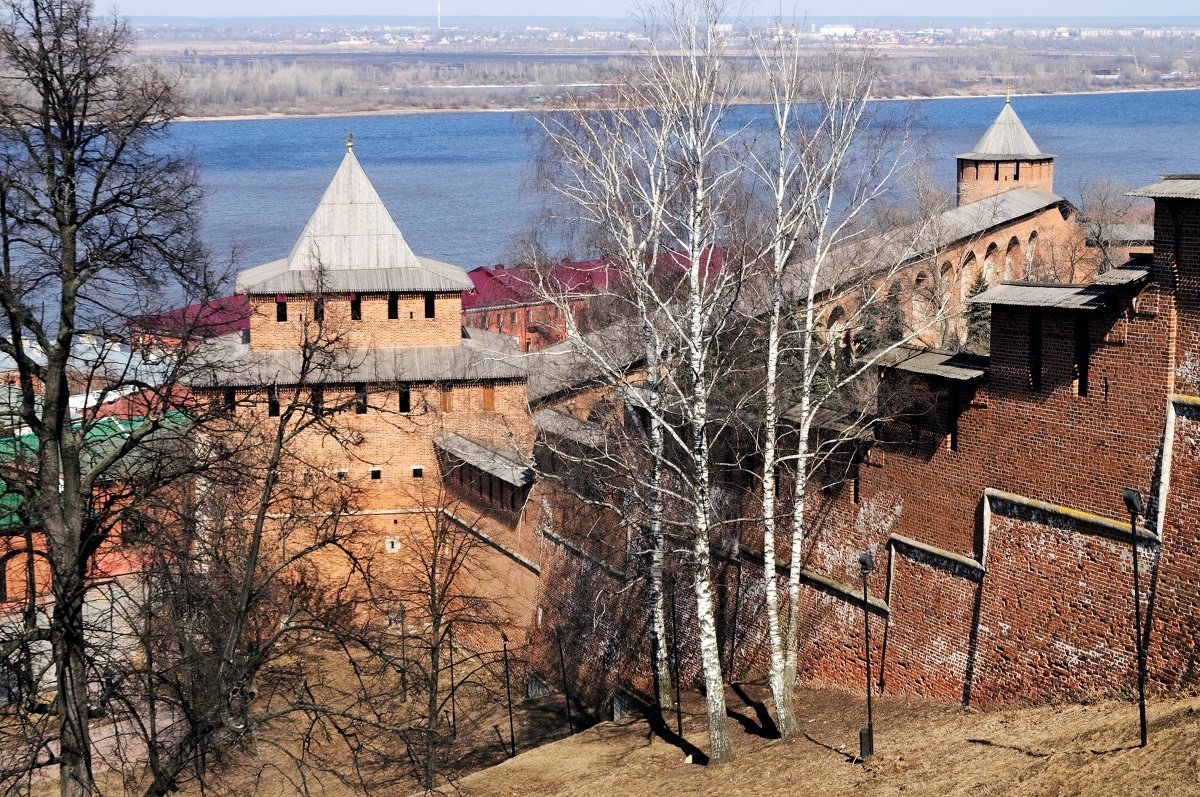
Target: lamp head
(866, 562)
(1133, 501)
(504, 637)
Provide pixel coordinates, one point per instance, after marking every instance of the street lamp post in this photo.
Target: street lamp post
(1133, 502)
(866, 736)
(512, 734)
(403, 655)
(453, 683)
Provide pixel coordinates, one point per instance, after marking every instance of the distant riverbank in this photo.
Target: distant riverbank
(458, 183)
(404, 110)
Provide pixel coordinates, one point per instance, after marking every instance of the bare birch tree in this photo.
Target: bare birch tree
(826, 167)
(617, 184)
(650, 173)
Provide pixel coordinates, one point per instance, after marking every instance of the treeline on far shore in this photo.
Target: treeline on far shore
(307, 85)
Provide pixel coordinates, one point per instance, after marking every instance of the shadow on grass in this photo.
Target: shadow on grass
(762, 725)
(660, 728)
(1040, 754)
(850, 758)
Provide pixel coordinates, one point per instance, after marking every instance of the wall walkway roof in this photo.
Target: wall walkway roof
(960, 366)
(1172, 186)
(508, 466)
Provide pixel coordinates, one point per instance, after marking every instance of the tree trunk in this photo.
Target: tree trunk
(710, 652)
(781, 688)
(70, 670)
(431, 737)
(662, 662)
(720, 742)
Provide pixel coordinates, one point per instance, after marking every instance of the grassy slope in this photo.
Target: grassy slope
(921, 748)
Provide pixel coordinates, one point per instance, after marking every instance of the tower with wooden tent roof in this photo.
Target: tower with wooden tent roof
(1005, 158)
(355, 328)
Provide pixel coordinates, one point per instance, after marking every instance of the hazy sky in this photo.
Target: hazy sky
(621, 8)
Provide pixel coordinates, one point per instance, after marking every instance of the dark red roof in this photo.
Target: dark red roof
(713, 259)
(497, 286)
(223, 316)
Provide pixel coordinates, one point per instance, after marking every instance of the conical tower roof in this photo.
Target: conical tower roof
(354, 244)
(1006, 140)
(351, 228)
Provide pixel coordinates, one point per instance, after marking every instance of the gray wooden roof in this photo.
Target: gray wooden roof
(1095, 296)
(1133, 233)
(1172, 186)
(1136, 269)
(506, 465)
(1059, 297)
(433, 276)
(1006, 139)
(961, 366)
(351, 243)
(578, 362)
(478, 358)
(569, 427)
(906, 244)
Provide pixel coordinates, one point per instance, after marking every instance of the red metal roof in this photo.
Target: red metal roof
(208, 320)
(498, 286)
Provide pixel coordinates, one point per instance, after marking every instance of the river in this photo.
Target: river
(456, 183)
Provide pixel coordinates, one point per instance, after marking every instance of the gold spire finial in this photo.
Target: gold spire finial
(349, 142)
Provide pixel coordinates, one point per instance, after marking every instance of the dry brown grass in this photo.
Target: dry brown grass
(922, 749)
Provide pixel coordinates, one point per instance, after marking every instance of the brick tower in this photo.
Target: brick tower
(1005, 158)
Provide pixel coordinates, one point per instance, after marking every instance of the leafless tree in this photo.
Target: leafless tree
(824, 175)
(607, 165)
(1105, 208)
(97, 226)
(449, 630)
(652, 176)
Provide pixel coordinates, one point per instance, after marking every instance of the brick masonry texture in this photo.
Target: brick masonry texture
(1005, 563)
(982, 179)
(375, 329)
(1001, 600)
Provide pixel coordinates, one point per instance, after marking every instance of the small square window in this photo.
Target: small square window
(376, 474)
(418, 473)
(392, 545)
(341, 474)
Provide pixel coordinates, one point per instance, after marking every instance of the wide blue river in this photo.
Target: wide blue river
(457, 183)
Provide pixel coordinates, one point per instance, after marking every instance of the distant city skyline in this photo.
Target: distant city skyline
(625, 8)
